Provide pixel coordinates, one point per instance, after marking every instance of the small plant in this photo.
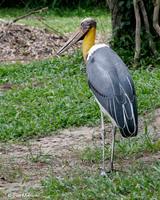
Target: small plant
(38, 156)
(137, 182)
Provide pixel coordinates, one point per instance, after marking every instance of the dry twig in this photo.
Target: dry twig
(29, 14)
(51, 28)
(21, 17)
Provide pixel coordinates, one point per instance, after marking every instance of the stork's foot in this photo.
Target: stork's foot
(115, 170)
(102, 134)
(110, 171)
(97, 135)
(112, 168)
(103, 172)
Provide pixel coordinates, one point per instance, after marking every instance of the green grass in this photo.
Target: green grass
(50, 95)
(64, 22)
(132, 148)
(148, 89)
(140, 182)
(46, 96)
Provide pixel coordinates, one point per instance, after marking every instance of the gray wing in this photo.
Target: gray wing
(113, 87)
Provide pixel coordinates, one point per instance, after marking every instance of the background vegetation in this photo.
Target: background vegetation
(53, 3)
(133, 29)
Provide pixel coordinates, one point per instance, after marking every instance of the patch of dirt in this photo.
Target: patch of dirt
(21, 42)
(6, 86)
(24, 166)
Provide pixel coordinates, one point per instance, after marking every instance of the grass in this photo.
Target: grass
(64, 23)
(133, 148)
(46, 96)
(140, 182)
(53, 94)
(147, 87)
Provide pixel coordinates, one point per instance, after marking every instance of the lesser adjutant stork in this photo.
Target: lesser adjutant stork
(110, 83)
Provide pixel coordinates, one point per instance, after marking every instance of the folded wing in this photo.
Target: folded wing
(111, 83)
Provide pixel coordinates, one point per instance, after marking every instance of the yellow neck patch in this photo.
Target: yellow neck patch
(88, 41)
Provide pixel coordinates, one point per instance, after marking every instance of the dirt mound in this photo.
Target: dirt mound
(21, 42)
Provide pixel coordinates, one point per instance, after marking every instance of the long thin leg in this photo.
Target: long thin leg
(113, 144)
(103, 173)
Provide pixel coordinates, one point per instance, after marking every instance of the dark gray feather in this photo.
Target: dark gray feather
(112, 85)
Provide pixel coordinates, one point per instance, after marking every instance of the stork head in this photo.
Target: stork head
(86, 32)
(87, 24)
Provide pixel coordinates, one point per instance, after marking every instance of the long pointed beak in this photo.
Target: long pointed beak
(74, 39)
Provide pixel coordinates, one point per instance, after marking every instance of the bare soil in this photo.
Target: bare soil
(24, 165)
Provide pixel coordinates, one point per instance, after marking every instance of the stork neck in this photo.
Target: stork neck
(88, 42)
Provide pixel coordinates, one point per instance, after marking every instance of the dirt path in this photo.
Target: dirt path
(23, 166)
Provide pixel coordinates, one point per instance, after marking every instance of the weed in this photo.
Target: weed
(136, 183)
(38, 156)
